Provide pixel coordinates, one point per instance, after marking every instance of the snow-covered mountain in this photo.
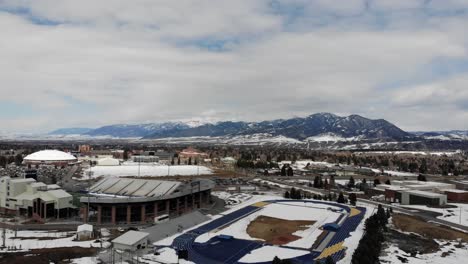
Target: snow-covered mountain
(317, 127)
(70, 131)
(444, 135)
(134, 131)
(313, 126)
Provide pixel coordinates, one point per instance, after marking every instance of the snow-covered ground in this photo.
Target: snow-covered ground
(85, 260)
(286, 211)
(147, 170)
(449, 254)
(267, 253)
(166, 255)
(457, 215)
(423, 153)
(332, 137)
(58, 239)
(400, 173)
(232, 199)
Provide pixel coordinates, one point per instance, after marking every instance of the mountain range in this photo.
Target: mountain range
(314, 127)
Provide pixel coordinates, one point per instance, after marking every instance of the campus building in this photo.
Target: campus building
(50, 157)
(33, 199)
(121, 200)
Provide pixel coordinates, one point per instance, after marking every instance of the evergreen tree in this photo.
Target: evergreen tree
(178, 160)
(287, 195)
(352, 198)
(190, 161)
(18, 159)
(3, 161)
(376, 182)
(423, 167)
(351, 182)
(172, 161)
(388, 182)
(421, 177)
(276, 260)
(341, 198)
(290, 171)
(316, 182)
(329, 260)
(283, 170)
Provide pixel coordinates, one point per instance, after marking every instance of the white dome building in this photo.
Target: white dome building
(51, 157)
(108, 162)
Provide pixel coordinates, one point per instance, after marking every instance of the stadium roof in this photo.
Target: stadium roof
(134, 187)
(50, 155)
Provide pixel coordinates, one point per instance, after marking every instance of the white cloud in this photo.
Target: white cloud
(132, 61)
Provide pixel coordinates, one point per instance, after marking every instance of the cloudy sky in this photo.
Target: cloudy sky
(68, 63)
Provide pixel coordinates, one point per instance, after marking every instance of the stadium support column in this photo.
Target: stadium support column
(177, 206)
(155, 209)
(129, 214)
(143, 213)
(168, 205)
(113, 215)
(185, 203)
(193, 201)
(200, 199)
(99, 214)
(85, 214)
(208, 195)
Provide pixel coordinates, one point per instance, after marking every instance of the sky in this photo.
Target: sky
(87, 63)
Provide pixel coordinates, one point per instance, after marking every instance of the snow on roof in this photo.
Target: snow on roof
(22, 180)
(53, 187)
(59, 193)
(426, 194)
(84, 227)
(130, 238)
(50, 155)
(455, 191)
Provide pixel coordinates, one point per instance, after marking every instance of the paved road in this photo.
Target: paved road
(428, 216)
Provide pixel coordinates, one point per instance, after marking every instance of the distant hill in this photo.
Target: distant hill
(316, 127)
(353, 126)
(70, 131)
(138, 131)
(444, 135)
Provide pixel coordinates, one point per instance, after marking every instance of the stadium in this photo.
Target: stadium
(124, 200)
(321, 232)
(49, 157)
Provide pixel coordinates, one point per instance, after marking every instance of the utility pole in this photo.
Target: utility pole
(139, 164)
(460, 216)
(89, 189)
(3, 237)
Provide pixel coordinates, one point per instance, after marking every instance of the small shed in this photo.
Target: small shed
(131, 241)
(84, 232)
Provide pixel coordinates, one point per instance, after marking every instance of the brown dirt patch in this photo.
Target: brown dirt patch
(430, 230)
(47, 255)
(276, 231)
(41, 238)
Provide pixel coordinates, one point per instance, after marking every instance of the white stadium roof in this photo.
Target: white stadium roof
(50, 155)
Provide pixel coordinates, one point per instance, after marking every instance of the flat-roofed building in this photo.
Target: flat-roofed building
(131, 241)
(121, 200)
(415, 197)
(34, 199)
(456, 195)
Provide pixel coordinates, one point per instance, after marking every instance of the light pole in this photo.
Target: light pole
(89, 189)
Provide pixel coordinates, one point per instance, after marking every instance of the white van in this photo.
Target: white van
(161, 219)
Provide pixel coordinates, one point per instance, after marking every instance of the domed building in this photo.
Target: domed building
(50, 157)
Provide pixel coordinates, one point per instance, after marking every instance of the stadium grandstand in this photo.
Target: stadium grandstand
(127, 201)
